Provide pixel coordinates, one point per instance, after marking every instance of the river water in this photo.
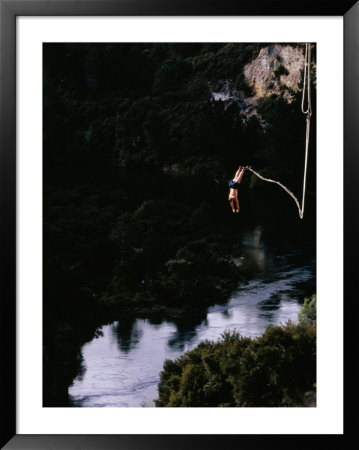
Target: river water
(121, 366)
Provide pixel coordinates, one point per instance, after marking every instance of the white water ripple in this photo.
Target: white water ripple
(121, 367)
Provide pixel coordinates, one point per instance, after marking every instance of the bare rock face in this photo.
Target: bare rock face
(276, 70)
(228, 95)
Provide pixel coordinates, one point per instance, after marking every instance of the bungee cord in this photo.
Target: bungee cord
(308, 112)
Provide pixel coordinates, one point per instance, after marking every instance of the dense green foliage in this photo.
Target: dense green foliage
(308, 314)
(275, 369)
(137, 157)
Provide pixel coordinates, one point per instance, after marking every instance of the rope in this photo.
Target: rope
(309, 114)
(306, 76)
(305, 164)
(283, 187)
(308, 111)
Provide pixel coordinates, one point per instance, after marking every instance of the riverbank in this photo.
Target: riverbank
(139, 147)
(121, 367)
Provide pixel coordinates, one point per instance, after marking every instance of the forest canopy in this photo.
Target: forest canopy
(277, 369)
(137, 153)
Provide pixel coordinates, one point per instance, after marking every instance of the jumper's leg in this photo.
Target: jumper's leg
(233, 200)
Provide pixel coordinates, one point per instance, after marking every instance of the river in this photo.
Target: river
(121, 365)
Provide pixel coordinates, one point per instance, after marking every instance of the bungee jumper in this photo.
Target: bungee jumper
(233, 189)
(234, 184)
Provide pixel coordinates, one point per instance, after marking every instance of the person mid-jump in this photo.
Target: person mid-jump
(233, 189)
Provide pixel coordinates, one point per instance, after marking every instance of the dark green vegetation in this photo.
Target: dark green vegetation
(137, 157)
(308, 313)
(273, 370)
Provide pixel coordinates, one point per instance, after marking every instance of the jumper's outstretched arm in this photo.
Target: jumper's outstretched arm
(239, 175)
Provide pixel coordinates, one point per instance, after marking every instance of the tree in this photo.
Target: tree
(272, 370)
(308, 314)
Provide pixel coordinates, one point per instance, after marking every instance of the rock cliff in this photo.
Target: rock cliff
(277, 69)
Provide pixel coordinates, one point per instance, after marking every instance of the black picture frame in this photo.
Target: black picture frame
(9, 10)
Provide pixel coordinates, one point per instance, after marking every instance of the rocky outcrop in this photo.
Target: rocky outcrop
(225, 92)
(276, 70)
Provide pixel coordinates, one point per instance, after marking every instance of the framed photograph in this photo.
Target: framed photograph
(174, 178)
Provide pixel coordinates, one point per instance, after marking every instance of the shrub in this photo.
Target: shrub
(275, 369)
(308, 314)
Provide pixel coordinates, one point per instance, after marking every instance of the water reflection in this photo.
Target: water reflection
(122, 366)
(127, 334)
(254, 257)
(272, 303)
(227, 314)
(186, 330)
